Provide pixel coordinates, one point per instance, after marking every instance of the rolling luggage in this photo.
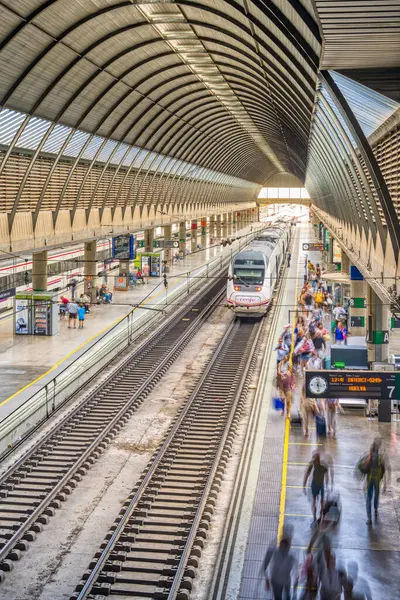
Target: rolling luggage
(320, 425)
(295, 418)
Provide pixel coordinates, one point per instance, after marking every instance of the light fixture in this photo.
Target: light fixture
(180, 34)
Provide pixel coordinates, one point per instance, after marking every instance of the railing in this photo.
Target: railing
(40, 405)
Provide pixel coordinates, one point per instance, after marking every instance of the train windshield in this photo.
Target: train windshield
(252, 276)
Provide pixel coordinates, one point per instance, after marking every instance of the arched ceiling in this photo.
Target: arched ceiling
(228, 85)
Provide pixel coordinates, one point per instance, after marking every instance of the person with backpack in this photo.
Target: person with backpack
(375, 468)
(303, 349)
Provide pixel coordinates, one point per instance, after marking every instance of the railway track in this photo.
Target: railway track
(153, 548)
(35, 486)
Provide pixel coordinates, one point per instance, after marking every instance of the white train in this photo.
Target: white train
(62, 267)
(253, 272)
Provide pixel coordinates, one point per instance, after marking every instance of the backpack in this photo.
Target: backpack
(331, 404)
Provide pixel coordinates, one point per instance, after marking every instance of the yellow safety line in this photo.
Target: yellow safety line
(282, 503)
(93, 337)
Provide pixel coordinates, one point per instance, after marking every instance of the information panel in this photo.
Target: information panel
(123, 247)
(313, 247)
(366, 385)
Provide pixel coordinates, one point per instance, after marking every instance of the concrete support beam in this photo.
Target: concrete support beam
(149, 240)
(345, 263)
(193, 236)
(168, 238)
(182, 238)
(90, 270)
(234, 222)
(39, 271)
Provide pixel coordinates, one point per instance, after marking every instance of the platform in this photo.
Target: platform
(24, 359)
(274, 496)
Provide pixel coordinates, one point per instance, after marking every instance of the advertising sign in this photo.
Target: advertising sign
(22, 317)
(365, 385)
(4, 294)
(123, 247)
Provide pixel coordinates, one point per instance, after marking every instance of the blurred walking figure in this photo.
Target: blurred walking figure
(356, 588)
(374, 467)
(332, 580)
(278, 567)
(332, 407)
(318, 472)
(286, 383)
(308, 409)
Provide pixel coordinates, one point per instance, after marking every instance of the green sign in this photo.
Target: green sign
(380, 337)
(141, 243)
(358, 302)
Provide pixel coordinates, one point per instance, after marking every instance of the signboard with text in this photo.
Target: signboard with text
(313, 247)
(365, 385)
(123, 247)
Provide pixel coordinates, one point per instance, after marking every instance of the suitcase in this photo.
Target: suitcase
(295, 418)
(320, 425)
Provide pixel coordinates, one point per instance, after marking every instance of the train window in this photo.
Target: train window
(249, 276)
(248, 261)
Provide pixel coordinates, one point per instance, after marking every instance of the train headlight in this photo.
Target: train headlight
(258, 288)
(237, 288)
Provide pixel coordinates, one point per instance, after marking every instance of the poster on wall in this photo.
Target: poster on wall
(22, 316)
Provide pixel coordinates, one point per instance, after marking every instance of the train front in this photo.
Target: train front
(246, 292)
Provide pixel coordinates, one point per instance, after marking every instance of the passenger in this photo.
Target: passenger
(281, 351)
(288, 258)
(105, 294)
(319, 473)
(140, 277)
(340, 334)
(319, 297)
(332, 580)
(332, 407)
(286, 335)
(318, 271)
(286, 383)
(314, 363)
(357, 588)
(303, 350)
(319, 342)
(308, 409)
(278, 566)
(81, 316)
(72, 285)
(308, 301)
(63, 306)
(375, 467)
(72, 308)
(339, 312)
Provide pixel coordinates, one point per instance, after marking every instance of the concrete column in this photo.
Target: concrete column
(345, 263)
(379, 329)
(229, 216)
(182, 238)
(203, 223)
(225, 226)
(249, 215)
(167, 238)
(212, 230)
(39, 271)
(193, 238)
(238, 221)
(218, 233)
(358, 314)
(149, 240)
(90, 270)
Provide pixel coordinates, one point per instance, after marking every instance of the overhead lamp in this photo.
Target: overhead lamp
(188, 48)
(197, 60)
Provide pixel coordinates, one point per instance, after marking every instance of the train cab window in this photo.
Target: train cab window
(248, 276)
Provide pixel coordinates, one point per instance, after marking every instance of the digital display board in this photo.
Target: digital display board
(366, 385)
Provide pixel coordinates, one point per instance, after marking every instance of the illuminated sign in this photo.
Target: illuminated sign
(366, 385)
(314, 247)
